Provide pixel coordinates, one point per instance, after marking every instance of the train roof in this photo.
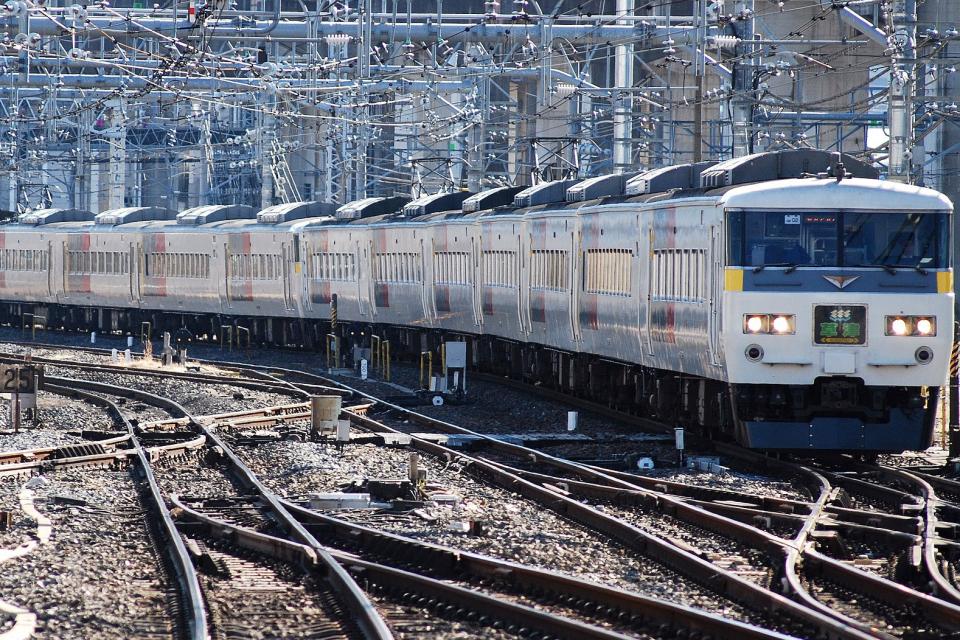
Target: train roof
(771, 180)
(852, 193)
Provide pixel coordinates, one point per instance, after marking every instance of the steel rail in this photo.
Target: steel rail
(894, 522)
(746, 515)
(365, 614)
(256, 385)
(394, 578)
(193, 607)
(937, 610)
(458, 562)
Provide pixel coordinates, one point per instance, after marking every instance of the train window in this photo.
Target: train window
(607, 271)
(839, 238)
(678, 274)
(548, 270)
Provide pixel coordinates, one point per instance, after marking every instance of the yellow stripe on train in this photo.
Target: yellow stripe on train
(733, 280)
(944, 281)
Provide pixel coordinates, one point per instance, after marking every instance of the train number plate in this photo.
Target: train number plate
(839, 324)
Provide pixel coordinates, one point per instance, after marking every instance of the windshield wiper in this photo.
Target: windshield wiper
(886, 267)
(790, 266)
(920, 269)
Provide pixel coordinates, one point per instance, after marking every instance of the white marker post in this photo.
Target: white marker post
(678, 436)
(363, 368)
(93, 337)
(571, 420)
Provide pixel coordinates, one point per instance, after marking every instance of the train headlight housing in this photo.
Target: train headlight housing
(911, 326)
(770, 323)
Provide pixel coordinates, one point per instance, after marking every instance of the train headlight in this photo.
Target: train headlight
(911, 326)
(783, 324)
(925, 327)
(755, 324)
(898, 327)
(771, 323)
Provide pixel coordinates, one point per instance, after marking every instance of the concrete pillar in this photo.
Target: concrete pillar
(623, 109)
(117, 138)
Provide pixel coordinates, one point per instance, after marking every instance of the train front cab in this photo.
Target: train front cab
(838, 326)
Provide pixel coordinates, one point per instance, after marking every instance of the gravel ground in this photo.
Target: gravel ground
(199, 399)
(517, 529)
(98, 577)
(61, 421)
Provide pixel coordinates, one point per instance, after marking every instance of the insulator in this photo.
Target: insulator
(724, 42)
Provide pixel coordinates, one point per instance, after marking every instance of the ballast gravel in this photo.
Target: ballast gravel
(98, 577)
(514, 528)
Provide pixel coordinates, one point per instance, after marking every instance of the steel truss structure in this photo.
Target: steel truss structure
(267, 101)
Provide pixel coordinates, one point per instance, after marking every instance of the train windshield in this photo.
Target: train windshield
(884, 239)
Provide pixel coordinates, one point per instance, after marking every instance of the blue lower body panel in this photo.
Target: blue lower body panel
(905, 430)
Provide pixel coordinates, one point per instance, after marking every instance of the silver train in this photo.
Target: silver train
(756, 297)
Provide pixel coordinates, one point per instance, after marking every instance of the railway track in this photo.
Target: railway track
(496, 607)
(786, 530)
(934, 617)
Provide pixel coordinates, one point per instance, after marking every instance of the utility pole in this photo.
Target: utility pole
(902, 71)
(117, 139)
(623, 111)
(741, 104)
(700, 7)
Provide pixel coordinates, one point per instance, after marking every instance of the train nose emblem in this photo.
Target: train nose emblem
(840, 282)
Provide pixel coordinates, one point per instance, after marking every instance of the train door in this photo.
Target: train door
(285, 257)
(426, 284)
(49, 268)
(228, 293)
(306, 272)
(523, 293)
(715, 266)
(65, 266)
(370, 259)
(476, 280)
(575, 261)
(652, 275)
(361, 258)
(131, 275)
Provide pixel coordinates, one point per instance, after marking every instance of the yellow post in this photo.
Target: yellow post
(385, 359)
(443, 357)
